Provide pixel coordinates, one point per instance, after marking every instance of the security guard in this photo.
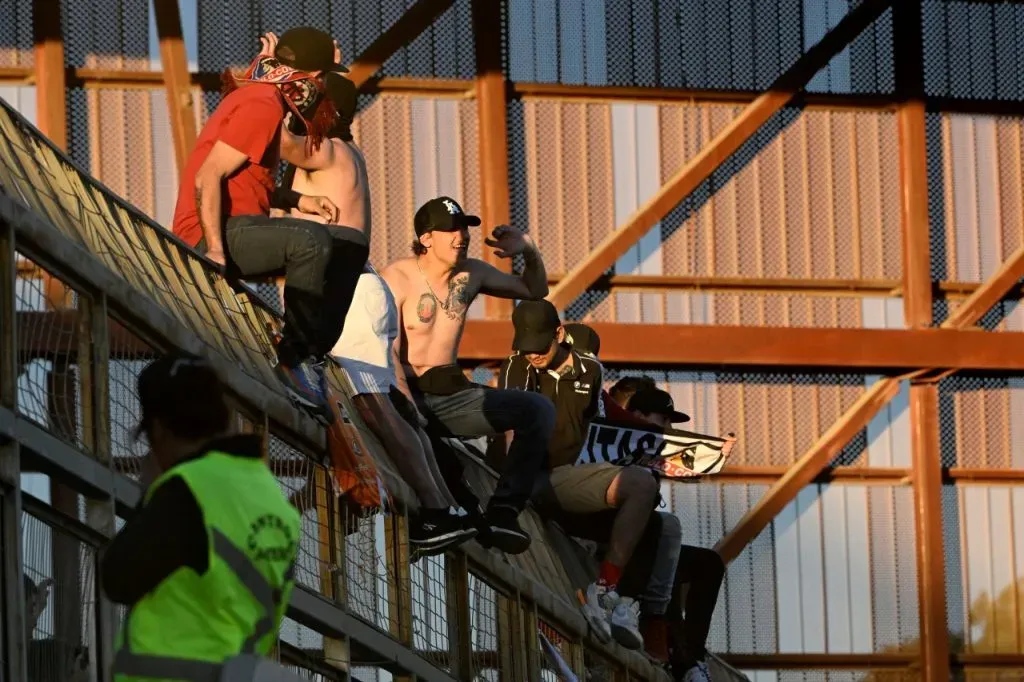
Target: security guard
(205, 564)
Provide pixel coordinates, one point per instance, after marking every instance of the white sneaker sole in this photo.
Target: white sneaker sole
(597, 619)
(627, 637)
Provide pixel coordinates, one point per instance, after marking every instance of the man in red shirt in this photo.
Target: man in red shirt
(227, 191)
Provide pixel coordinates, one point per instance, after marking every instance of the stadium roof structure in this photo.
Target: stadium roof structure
(101, 287)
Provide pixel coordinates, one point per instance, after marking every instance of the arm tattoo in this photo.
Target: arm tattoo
(199, 204)
(426, 308)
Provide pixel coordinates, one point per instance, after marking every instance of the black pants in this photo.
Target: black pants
(454, 406)
(702, 570)
(321, 265)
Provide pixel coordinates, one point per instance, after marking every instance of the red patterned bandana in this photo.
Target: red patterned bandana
(303, 92)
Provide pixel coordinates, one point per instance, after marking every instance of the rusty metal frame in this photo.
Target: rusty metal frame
(699, 168)
(462, 88)
(174, 62)
(48, 40)
(917, 306)
(413, 22)
(492, 135)
(819, 348)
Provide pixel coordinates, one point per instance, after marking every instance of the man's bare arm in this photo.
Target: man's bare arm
(531, 285)
(222, 161)
(293, 150)
(393, 280)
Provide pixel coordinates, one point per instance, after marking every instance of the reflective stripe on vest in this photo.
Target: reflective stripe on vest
(147, 665)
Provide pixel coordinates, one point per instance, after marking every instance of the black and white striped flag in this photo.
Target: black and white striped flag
(672, 453)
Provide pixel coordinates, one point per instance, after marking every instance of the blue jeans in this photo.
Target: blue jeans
(472, 410)
(321, 265)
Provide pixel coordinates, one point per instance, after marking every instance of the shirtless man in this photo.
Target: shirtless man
(366, 346)
(428, 343)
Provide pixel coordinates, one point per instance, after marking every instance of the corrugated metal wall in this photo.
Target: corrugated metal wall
(814, 196)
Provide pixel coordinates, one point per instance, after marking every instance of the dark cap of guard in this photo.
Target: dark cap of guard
(649, 400)
(536, 325)
(443, 214)
(583, 338)
(307, 49)
(175, 386)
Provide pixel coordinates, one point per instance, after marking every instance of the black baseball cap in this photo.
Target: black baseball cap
(443, 214)
(536, 325)
(583, 338)
(343, 94)
(649, 400)
(307, 49)
(176, 387)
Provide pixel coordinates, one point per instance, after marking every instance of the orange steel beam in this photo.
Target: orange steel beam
(492, 136)
(51, 103)
(917, 307)
(806, 469)
(710, 346)
(415, 20)
(464, 87)
(833, 288)
(174, 61)
(701, 166)
(994, 290)
(927, 473)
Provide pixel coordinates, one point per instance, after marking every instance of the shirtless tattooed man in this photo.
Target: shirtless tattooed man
(433, 291)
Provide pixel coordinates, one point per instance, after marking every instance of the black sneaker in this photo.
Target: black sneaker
(505, 533)
(434, 529)
(304, 386)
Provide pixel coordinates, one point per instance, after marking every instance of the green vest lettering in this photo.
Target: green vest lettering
(190, 624)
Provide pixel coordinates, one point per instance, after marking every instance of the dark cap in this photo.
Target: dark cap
(180, 388)
(624, 388)
(582, 338)
(343, 94)
(444, 215)
(649, 400)
(307, 49)
(536, 324)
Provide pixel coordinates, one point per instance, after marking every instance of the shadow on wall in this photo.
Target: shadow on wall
(999, 624)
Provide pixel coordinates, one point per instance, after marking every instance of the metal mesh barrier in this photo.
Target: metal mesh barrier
(370, 573)
(984, 587)
(228, 33)
(129, 355)
(978, 422)
(150, 259)
(712, 44)
(49, 390)
(489, 622)
(308, 488)
(431, 627)
(60, 603)
(971, 50)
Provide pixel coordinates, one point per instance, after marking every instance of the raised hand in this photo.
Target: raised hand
(268, 43)
(507, 241)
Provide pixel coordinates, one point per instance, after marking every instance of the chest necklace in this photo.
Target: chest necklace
(446, 303)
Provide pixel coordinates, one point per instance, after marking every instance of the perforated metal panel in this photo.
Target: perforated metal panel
(715, 44)
(229, 32)
(971, 49)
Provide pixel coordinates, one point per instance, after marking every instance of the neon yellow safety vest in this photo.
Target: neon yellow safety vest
(190, 625)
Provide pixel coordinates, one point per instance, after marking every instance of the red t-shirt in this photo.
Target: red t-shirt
(249, 120)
